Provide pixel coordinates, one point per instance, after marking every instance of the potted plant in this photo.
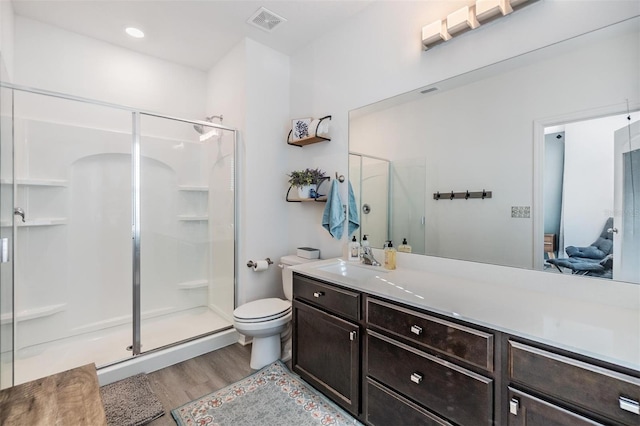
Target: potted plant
(306, 180)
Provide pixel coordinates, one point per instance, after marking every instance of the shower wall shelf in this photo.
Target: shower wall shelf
(51, 221)
(188, 218)
(36, 182)
(189, 285)
(29, 314)
(194, 188)
(314, 138)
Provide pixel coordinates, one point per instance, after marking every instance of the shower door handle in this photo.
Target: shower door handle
(20, 212)
(4, 249)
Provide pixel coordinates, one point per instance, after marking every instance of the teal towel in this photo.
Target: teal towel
(333, 217)
(354, 220)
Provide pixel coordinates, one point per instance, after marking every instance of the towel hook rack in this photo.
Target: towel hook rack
(339, 178)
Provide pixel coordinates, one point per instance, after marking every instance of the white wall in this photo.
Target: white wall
(50, 58)
(6, 40)
(378, 54)
(250, 86)
(589, 178)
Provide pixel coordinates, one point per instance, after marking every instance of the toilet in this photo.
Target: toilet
(267, 321)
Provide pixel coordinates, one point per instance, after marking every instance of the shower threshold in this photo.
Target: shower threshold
(110, 345)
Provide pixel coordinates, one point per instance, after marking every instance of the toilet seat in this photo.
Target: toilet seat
(262, 310)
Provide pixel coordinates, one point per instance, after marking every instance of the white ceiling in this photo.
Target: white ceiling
(193, 33)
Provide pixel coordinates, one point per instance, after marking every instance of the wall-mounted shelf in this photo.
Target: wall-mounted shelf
(318, 199)
(315, 138)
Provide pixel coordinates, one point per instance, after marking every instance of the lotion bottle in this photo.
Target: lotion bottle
(354, 250)
(404, 247)
(390, 256)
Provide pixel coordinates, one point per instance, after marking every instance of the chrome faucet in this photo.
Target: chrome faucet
(367, 257)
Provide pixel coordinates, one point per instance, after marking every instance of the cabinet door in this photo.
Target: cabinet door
(527, 410)
(326, 353)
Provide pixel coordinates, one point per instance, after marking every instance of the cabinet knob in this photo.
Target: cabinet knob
(514, 406)
(318, 293)
(416, 378)
(416, 330)
(628, 404)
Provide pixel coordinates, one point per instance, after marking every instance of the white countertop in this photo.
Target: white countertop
(594, 317)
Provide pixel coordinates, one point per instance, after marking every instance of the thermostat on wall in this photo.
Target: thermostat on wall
(308, 253)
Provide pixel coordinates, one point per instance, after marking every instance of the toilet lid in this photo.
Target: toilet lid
(262, 310)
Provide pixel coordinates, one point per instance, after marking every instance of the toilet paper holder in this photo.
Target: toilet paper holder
(251, 263)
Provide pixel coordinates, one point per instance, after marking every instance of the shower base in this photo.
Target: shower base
(109, 346)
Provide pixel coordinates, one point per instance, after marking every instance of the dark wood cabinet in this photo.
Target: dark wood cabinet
(326, 352)
(592, 389)
(393, 364)
(527, 410)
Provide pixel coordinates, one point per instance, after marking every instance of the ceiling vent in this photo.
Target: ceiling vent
(265, 20)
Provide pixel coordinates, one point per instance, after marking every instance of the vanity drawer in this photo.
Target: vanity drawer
(334, 299)
(585, 385)
(385, 407)
(460, 395)
(465, 343)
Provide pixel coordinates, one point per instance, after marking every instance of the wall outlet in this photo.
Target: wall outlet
(521, 212)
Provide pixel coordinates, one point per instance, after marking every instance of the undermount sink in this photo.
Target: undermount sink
(353, 271)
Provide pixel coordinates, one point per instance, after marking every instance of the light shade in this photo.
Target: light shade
(488, 10)
(462, 20)
(517, 4)
(434, 34)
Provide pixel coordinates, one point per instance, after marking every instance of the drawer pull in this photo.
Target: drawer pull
(514, 406)
(318, 293)
(628, 404)
(352, 335)
(416, 330)
(416, 378)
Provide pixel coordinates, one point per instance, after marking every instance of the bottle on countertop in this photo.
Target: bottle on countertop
(390, 256)
(365, 241)
(354, 249)
(404, 247)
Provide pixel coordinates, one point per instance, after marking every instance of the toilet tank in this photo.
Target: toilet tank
(287, 274)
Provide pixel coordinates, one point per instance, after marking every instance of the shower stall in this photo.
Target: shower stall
(117, 230)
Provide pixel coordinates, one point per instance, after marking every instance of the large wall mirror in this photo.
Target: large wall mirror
(551, 137)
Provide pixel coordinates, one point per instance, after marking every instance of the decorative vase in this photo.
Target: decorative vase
(304, 191)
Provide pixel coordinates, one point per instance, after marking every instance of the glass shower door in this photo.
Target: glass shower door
(6, 239)
(73, 263)
(187, 220)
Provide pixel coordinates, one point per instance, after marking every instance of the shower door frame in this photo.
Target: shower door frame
(135, 214)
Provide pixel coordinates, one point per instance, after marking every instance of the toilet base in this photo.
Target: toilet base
(264, 351)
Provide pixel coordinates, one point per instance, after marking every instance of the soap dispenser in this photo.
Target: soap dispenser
(390, 256)
(365, 241)
(404, 247)
(354, 249)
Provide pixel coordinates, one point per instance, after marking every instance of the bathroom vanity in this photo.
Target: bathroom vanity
(423, 347)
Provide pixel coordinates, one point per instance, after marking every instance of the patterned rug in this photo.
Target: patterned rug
(270, 396)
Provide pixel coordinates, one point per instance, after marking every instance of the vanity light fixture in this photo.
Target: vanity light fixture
(488, 10)
(434, 34)
(462, 20)
(468, 18)
(134, 32)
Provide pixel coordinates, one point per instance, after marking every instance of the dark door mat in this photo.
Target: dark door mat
(130, 402)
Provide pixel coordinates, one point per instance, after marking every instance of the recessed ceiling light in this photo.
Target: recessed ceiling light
(134, 32)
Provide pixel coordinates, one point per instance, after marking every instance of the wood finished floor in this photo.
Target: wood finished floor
(180, 383)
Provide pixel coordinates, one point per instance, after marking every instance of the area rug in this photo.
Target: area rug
(130, 402)
(270, 396)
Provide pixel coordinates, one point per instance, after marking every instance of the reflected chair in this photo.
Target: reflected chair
(593, 260)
